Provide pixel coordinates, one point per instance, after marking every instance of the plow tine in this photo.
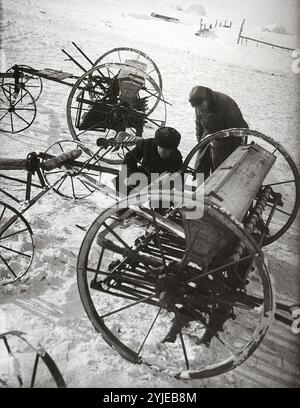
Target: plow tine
(74, 60)
(82, 53)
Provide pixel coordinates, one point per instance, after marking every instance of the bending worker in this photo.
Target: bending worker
(215, 111)
(154, 155)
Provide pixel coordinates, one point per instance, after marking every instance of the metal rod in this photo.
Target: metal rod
(82, 53)
(34, 370)
(34, 200)
(149, 331)
(74, 60)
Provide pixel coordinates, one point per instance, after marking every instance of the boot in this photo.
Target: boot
(179, 322)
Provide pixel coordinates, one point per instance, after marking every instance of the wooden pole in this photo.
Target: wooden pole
(12, 164)
(241, 30)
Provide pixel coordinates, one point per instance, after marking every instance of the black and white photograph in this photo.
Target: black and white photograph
(149, 196)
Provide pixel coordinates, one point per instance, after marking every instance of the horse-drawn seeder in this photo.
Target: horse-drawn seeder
(120, 91)
(188, 295)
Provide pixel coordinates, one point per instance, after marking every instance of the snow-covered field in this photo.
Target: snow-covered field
(46, 303)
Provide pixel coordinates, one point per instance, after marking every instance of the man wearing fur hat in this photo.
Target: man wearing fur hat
(215, 111)
(154, 155)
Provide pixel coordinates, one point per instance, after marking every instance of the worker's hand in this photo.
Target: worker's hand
(122, 136)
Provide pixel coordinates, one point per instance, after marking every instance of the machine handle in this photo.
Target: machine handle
(60, 160)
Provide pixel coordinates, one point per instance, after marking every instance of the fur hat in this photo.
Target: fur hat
(167, 137)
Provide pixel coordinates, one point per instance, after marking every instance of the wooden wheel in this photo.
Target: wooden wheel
(283, 178)
(24, 365)
(16, 244)
(114, 97)
(25, 80)
(17, 108)
(141, 286)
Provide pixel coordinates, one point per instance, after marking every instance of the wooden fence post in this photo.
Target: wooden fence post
(241, 30)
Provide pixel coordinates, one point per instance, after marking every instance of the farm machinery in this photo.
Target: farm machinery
(160, 287)
(191, 296)
(118, 92)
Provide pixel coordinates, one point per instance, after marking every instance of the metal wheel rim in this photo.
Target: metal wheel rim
(129, 354)
(31, 103)
(28, 228)
(236, 132)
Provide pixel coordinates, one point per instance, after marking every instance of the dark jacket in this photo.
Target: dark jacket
(145, 153)
(222, 113)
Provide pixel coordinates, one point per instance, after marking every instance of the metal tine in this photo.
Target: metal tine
(82, 53)
(74, 60)
(86, 57)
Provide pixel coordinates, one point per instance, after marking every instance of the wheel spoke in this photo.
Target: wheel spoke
(36, 361)
(3, 116)
(73, 189)
(21, 98)
(2, 214)
(26, 109)
(118, 238)
(86, 186)
(220, 268)
(11, 122)
(279, 182)
(120, 309)
(279, 210)
(15, 251)
(149, 331)
(187, 363)
(7, 89)
(7, 265)
(13, 233)
(22, 118)
(63, 180)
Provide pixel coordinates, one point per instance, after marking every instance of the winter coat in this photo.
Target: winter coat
(145, 153)
(221, 113)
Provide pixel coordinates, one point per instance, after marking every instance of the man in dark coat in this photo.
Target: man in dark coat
(154, 155)
(215, 111)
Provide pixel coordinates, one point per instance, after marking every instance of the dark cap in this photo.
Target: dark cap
(167, 137)
(198, 94)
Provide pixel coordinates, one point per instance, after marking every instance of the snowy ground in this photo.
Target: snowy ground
(46, 304)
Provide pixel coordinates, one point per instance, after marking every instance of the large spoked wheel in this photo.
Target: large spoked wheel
(16, 245)
(25, 80)
(17, 108)
(153, 301)
(283, 178)
(24, 365)
(125, 54)
(71, 180)
(114, 97)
